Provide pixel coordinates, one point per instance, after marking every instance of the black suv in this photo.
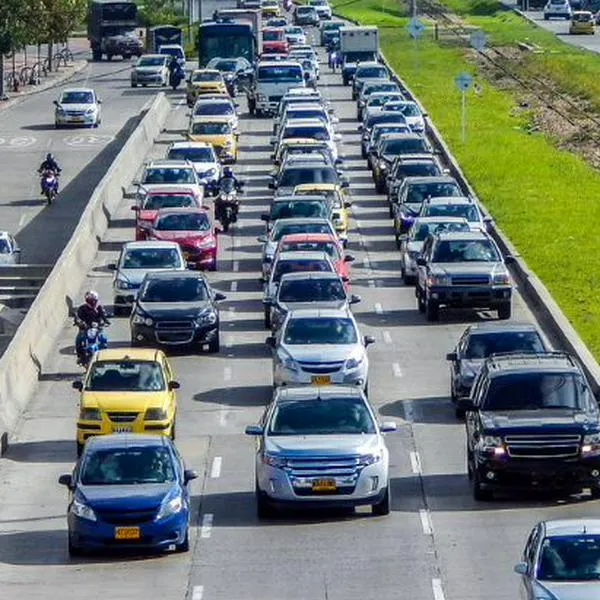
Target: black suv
(532, 423)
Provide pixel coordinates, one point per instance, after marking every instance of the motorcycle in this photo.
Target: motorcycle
(50, 185)
(175, 77)
(227, 203)
(93, 341)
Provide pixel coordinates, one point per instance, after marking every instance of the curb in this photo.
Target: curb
(538, 298)
(78, 66)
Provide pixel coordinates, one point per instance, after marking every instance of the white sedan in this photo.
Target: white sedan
(78, 106)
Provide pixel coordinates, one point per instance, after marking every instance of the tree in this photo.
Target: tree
(12, 31)
(63, 16)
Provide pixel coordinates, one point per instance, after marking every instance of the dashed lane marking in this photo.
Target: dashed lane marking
(215, 471)
(207, 523)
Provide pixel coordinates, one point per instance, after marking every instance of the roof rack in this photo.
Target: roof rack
(550, 354)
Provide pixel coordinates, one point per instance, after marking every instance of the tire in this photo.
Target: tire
(185, 545)
(420, 302)
(96, 55)
(109, 57)
(459, 413)
(73, 550)
(134, 85)
(432, 310)
(264, 509)
(173, 431)
(267, 318)
(382, 508)
(345, 80)
(379, 186)
(363, 152)
(408, 279)
(215, 345)
(505, 311)
(79, 449)
(134, 343)
(479, 494)
(251, 108)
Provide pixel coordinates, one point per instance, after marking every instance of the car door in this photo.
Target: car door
(169, 376)
(473, 417)
(459, 351)
(530, 553)
(423, 270)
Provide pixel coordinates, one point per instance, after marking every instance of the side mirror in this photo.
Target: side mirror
(190, 265)
(452, 356)
(360, 128)
(349, 258)
(345, 279)
(521, 568)
(174, 385)
(254, 430)
(262, 239)
(509, 259)
(355, 299)
(368, 340)
(270, 341)
(188, 475)
(66, 479)
(387, 426)
(374, 153)
(421, 262)
(55, 102)
(347, 204)
(265, 217)
(273, 141)
(111, 266)
(271, 185)
(344, 184)
(267, 301)
(136, 183)
(77, 385)
(220, 297)
(135, 208)
(488, 220)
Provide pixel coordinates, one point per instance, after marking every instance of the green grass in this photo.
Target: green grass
(542, 197)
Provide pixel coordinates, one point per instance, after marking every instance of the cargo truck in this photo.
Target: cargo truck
(163, 35)
(253, 17)
(357, 44)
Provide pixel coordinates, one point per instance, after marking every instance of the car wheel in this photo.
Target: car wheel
(73, 550)
(546, 18)
(408, 279)
(383, 507)
(363, 152)
(479, 492)
(366, 388)
(133, 342)
(215, 345)
(420, 301)
(595, 492)
(267, 318)
(459, 413)
(432, 310)
(173, 430)
(264, 509)
(505, 311)
(79, 449)
(134, 85)
(379, 186)
(185, 545)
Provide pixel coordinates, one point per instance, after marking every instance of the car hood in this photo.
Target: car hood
(136, 276)
(414, 246)
(568, 590)
(174, 310)
(292, 306)
(190, 237)
(125, 497)
(323, 352)
(537, 421)
(201, 85)
(300, 446)
(217, 140)
(469, 268)
(124, 401)
(75, 107)
(149, 69)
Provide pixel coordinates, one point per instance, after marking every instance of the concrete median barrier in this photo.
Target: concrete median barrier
(22, 362)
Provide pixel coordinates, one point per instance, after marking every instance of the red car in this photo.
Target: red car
(274, 40)
(192, 230)
(156, 199)
(319, 242)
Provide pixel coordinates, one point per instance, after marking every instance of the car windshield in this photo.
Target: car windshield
(308, 208)
(298, 176)
(308, 10)
(380, 100)
(408, 109)
(272, 36)
(186, 289)
(306, 113)
(418, 192)
(213, 109)
(77, 98)
(299, 266)
(330, 195)
(420, 231)
(340, 416)
(151, 61)
(294, 30)
(466, 211)
(227, 66)
(583, 17)
(312, 290)
(457, 251)
(151, 258)
(205, 154)
(536, 391)
(202, 76)
(331, 248)
(128, 466)
(320, 330)
(289, 229)
(570, 558)
(315, 132)
(383, 118)
(482, 345)
(405, 146)
(183, 222)
(373, 88)
(169, 175)
(280, 73)
(371, 73)
(379, 131)
(211, 128)
(176, 52)
(332, 26)
(126, 376)
(423, 169)
(158, 201)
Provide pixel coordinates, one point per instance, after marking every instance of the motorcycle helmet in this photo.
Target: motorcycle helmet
(227, 172)
(49, 156)
(91, 298)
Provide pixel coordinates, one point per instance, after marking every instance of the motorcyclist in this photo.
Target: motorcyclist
(91, 311)
(228, 174)
(49, 164)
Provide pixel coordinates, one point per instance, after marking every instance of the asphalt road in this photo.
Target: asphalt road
(436, 544)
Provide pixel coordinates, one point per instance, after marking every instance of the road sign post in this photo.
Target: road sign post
(478, 40)
(415, 29)
(463, 82)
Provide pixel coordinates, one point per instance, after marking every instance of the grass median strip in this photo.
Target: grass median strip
(544, 198)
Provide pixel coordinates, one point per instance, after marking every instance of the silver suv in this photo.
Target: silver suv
(320, 447)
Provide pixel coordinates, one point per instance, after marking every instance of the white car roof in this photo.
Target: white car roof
(150, 245)
(191, 145)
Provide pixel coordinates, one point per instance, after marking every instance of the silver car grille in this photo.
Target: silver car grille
(344, 470)
(320, 368)
(470, 280)
(542, 446)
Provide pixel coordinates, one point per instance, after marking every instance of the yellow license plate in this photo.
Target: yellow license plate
(324, 485)
(321, 379)
(127, 533)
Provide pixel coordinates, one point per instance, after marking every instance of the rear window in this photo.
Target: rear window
(314, 132)
(419, 192)
(407, 146)
(294, 177)
(287, 210)
(280, 73)
(300, 266)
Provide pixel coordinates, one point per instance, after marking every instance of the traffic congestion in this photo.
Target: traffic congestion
(301, 349)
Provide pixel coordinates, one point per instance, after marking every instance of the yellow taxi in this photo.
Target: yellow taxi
(270, 8)
(220, 132)
(130, 390)
(337, 194)
(582, 21)
(204, 81)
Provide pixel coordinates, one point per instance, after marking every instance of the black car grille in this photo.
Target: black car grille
(542, 446)
(470, 280)
(275, 98)
(122, 417)
(174, 332)
(320, 367)
(127, 517)
(174, 325)
(75, 113)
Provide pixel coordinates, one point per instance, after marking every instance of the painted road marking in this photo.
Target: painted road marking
(227, 373)
(223, 414)
(378, 308)
(87, 140)
(197, 592)
(366, 263)
(215, 472)
(207, 523)
(438, 591)
(387, 338)
(22, 141)
(415, 463)
(234, 285)
(371, 283)
(397, 370)
(426, 522)
(236, 265)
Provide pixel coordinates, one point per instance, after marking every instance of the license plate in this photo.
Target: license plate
(321, 379)
(121, 429)
(324, 485)
(127, 533)
(78, 119)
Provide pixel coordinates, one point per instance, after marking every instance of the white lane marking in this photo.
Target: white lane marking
(378, 308)
(236, 265)
(371, 283)
(426, 523)
(366, 263)
(397, 370)
(223, 414)
(231, 313)
(229, 341)
(197, 592)
(362, 241)
(387, 338)
(234, 285)
(358, 224)
(215, 472)
(179, 104)
(415, 463)
(207, 523)
(438, 591)
(227, 373)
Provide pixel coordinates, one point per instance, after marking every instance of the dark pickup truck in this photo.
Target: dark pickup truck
(532, 423)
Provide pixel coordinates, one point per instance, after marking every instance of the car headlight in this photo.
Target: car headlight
(205, 243)
(170, 507)
(354, 362)
(61, 111)
(439, 279)
(290, 364)
(591, 445)
(91, 110)
(123, 284)
(209, 173)
(90, 414)
(492, 444)
(369, 459)
(83, 511)
(274, 461)
(501, 279)
(156, 414)
(142, 320)
(228, 144)
(261, 97)
(383, 165)
(208, 318)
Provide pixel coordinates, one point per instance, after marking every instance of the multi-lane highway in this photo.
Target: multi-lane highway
(437, 542)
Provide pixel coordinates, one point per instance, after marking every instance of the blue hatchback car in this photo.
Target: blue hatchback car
(128, 491)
